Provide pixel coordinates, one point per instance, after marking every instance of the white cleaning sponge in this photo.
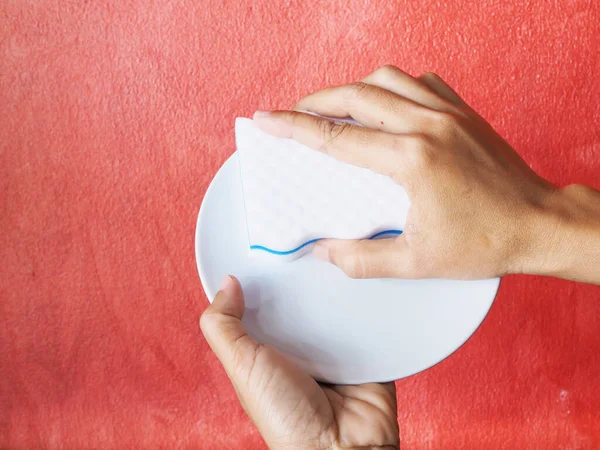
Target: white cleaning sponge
(295, 195)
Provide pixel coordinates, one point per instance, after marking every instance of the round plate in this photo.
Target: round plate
(337, 329)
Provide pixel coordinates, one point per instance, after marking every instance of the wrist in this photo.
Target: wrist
(563, 235)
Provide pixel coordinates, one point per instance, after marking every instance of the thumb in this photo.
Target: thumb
(379, 258)
(222, 327)
(272, 390)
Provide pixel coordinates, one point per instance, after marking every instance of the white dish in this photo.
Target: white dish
(338, 329)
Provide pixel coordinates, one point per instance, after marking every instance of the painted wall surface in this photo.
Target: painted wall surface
(114, 117)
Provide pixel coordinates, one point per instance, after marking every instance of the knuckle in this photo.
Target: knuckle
(421, 151)
(442, 123)
(431, 76)
(208, 320)
(413, 144)
(291, 117)
(352, 266)
(203, 321)
(330, 132)
(388, 70)
(356, 89)
(354, 92)
(325, 132)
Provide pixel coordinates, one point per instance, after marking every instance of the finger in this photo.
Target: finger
(380, 258)
(444, 90)
(222, 327)
(369, 105)
(395, 80)
(359, 146)
(439, 86)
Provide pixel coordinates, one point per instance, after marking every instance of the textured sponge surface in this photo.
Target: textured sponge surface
(295, 195)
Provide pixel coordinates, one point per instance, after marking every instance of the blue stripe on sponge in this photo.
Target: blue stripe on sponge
(312, 241)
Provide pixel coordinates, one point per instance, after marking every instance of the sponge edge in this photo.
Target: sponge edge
(294, 196)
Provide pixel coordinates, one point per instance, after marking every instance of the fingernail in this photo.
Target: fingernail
(227, 285)
(272, 124)
(321, 251)
(259, 114)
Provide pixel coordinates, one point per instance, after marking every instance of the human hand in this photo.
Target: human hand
(290, 409)
(477, 209)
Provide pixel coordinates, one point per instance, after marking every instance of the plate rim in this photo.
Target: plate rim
(350, 380)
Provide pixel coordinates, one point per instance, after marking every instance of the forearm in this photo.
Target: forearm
(565, 237)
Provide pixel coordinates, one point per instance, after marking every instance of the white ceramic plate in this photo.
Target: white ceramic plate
(338, 329)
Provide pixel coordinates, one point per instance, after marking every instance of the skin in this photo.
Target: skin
(477, 211)
(289, 408)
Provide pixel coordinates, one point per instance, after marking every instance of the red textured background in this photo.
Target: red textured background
(115, 115)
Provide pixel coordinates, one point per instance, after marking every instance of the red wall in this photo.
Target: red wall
(115, 115)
